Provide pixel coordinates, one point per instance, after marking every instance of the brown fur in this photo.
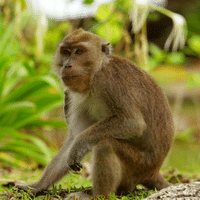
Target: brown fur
(117, 108)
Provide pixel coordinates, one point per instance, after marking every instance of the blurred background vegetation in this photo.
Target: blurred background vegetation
(32, 125)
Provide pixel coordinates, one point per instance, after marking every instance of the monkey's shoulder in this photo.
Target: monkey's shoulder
(123, 73)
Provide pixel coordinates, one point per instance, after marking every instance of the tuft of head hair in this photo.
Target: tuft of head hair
(82, 36)
(85, 36)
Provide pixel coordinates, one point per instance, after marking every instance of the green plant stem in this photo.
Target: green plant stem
(162, 10)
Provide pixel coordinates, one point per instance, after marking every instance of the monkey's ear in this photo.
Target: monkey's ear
(106, 48)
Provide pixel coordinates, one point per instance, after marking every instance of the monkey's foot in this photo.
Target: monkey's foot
(78, 195)
(30, 188)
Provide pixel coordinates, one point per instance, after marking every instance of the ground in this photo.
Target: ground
(9, 177)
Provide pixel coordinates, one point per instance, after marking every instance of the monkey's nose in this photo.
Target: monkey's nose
(68, 66)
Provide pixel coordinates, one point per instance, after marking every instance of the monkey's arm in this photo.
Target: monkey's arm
(55, 170)
(114, 126)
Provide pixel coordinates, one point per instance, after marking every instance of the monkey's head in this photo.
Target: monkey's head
(78, 57)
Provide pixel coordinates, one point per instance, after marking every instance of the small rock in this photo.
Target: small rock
(188, 191)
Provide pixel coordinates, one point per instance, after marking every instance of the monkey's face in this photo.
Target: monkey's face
(76, 66)
(78, 57)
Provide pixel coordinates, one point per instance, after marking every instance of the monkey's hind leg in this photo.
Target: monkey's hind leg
(156, 182)
(106, 172)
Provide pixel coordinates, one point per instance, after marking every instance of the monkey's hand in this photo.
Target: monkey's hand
(75, 156)
(74, 162)
(76, 166)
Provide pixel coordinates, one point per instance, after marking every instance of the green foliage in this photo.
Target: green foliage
(103, 12)
(192, 17)
(194, 44)
(187, 135)
(110, 23)
(9, 45)
(54, 35)
(123, 6)
(188, 156)
(24, 146)
(28, 92)
(193, 81)
(25, 98)
(108, 31)
(158, 56)
(176, 58)
(88, 1)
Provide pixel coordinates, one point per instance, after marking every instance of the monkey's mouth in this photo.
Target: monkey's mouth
(69, 76)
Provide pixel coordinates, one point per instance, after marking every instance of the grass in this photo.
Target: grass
(70, 183)
(179, 173)
(75, 183)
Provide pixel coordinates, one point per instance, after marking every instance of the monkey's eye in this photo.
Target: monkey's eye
(60, 65)
(65, 51)
(79, 51)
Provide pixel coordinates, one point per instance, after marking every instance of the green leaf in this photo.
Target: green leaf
(25, 145)
(186, 135)
(14, 75)
(11, 31)
(54, 82)
(48, 105)
(43, 148)
(34, 86)
(9, 85)
(176, 58)
(8, 162)
(194, 43)
(25, 152)
(6, 36)
(111, 31)
(4, 63)
(158, 54)
(153, 63)
(103, 12)
(8, 132)
(25, 90)
(88, 1)
(193, 80)
(26, 106)
(52, 123)
(29, 65)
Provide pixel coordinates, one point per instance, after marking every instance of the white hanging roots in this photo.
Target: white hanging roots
(178, 35)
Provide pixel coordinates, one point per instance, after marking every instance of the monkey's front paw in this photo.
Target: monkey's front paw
(76, 166)
(74, 160)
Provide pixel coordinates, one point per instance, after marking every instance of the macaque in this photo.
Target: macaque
(115, 108)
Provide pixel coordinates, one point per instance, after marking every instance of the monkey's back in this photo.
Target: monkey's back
(129, 86)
